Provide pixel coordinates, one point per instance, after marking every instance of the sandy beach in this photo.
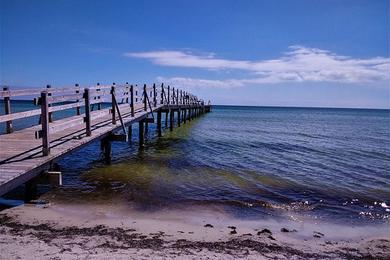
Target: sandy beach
(110, 231)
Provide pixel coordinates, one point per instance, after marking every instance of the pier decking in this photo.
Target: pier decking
(26, 153)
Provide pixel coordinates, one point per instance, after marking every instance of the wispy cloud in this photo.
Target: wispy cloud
(298, 64)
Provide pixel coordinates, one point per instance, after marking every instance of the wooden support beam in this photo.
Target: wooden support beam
(106, 144)
(166, 119)
(30, 190)
(171, 118)
(113, 107)
(118, 138)
(149, 120)
(178, 117)
(87, 112)
(184, 115)
(159, 123)
(141, 133)
(55, 178)
(45, 124)
(7, 110)
(129, 133)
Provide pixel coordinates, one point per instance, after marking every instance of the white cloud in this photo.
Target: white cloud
(299, 64)
(191, 83)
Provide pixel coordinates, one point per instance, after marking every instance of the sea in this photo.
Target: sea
(331, 164)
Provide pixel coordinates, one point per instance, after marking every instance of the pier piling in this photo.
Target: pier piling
(129, 104)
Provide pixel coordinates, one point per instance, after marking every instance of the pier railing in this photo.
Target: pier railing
(88, 102)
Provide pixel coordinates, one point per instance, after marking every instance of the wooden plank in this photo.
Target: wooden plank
(18, 115)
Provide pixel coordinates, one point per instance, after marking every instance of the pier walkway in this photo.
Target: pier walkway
(104, 113)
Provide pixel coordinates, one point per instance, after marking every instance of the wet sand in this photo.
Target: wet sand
(111, 231)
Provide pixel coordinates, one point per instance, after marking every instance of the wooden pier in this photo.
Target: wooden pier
(104, 113)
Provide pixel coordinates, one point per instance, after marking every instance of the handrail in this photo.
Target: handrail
(53, 100)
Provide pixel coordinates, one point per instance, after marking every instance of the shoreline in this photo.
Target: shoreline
(112, 231)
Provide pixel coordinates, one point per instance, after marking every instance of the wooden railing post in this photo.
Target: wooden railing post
(99, 104)
(87, 112)
(169, 92)
(113, 108)
(127, 92)
(145, 98)
(49, 95)
(132, 100)
(173, 96)
(162, 94)
(77, 92)
(177, 96)
(45, 123)
(154, 95)
(7, 110)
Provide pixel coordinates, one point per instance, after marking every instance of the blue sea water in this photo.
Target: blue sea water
(326, 163)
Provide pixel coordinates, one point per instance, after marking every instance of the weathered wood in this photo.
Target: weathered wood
(169, 92)
(119, 115)
(173, 97)
(132, 100)
(159, 123)
(118, 137)
(171, 119)
(154, 95)
(55, 178)
(49, 94)
(88, 130)
(145, 98)
(7, 110)
(18, 115)
(162, 94)
(141, 133)
(130, 133)
(178, 118)
(146, 124)
(45, 124)
(113, 107)
(77, 92)
(99, 97)
(22, 160)
(107, 148)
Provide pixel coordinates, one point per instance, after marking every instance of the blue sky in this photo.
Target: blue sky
(281, 53)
